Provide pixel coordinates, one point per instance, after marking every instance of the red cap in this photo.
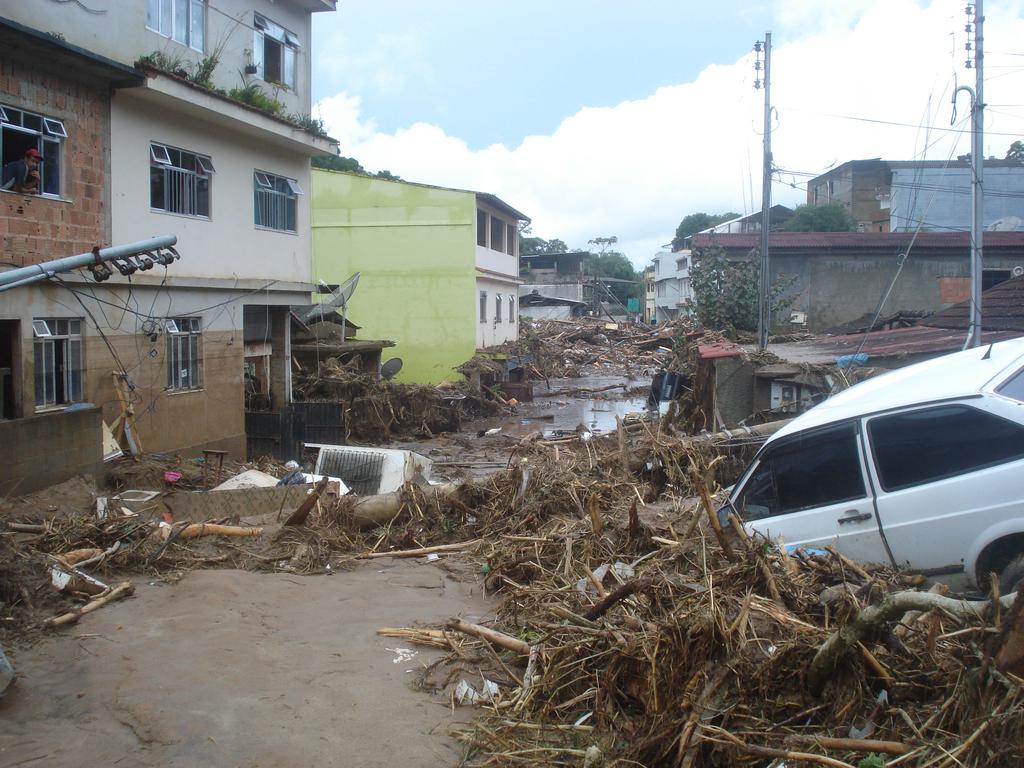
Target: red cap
(33, 152)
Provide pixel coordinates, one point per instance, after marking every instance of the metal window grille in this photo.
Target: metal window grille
(179, 181)
(275, 201)
(184, 353)
(57, 353)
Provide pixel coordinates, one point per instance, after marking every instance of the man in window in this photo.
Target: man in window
(23, 175)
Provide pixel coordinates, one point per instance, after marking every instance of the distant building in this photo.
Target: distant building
(650, 293)
(926, 195)
(671, 284)
(778, 215)
(556, 275)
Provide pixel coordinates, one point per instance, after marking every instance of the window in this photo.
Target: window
(682, 263)
(935, 443)
(497, 308)
(21, 131)
(179, 181)
(497, 234)
(184, 21)
(57, 348)
(483, 306)
(1013, 387)
(812, 470)
(510, 240)
(481, 228)
(273, 52)
(511, 309)
(184, 353)
(275, 201)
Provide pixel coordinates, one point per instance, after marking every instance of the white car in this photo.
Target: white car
(921, 468)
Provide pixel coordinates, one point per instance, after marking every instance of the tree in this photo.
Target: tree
(350, 165)
(829, 217)
(695, 222)
(725, 291)
(531, 246)
(613, 264)
(1016, 152)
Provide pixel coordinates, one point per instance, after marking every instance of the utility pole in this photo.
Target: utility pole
(764, 316)
(977, 167)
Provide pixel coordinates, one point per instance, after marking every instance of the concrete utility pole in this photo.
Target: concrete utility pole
(977, 168)
(764, 320)
(127, 258)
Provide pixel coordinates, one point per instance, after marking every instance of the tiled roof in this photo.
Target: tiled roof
(1002, 309)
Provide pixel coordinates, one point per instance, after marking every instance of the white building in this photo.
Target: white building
(671, 284)
(228, 178)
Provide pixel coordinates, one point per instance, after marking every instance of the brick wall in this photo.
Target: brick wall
(32, 228)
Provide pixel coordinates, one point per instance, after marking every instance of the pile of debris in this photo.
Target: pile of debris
(588, 346)
(632, 628)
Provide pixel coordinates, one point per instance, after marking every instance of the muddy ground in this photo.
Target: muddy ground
(233, 668)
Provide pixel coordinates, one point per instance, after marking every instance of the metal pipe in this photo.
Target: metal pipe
(14, 278)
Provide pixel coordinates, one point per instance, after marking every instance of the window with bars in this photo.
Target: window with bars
(179, 181)
(511, 309)
(57, 350)
(497, 308)
(274, 51)
(483, 306)
(184, 21)
(275, 201)
(21, 130)
(184, 353)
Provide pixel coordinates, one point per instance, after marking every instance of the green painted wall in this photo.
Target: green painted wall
(415, 248)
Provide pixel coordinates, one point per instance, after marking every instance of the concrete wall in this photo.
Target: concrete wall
(415, 248)
(212, 416)
(47, 449)
(35, 228)
(120, 34)
(228, 244)
(834, 288)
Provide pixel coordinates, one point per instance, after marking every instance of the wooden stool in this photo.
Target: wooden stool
(210, 456)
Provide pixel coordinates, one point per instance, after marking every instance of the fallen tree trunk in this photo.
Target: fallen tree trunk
(892, 608)
(194, 530)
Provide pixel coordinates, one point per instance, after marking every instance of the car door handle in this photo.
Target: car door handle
(852, 516)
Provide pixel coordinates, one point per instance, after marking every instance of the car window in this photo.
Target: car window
(813, 470)
(935, 443)
(1013, 386)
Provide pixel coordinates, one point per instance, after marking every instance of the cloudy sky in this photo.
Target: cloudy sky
(600, 117)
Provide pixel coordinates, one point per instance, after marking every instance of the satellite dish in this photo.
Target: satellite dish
(1017, 271)
(338, 299)
(389, 370)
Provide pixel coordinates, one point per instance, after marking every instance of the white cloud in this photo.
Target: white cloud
(636, 168)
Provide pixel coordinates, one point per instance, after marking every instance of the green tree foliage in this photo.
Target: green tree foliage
(350, 165)
(830, 217)
(1016, 152)
(531, 246)
(608, 263)
(695, 222)
(725, 291)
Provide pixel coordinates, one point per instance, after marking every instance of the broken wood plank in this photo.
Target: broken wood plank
(421, 550)
(121, 590)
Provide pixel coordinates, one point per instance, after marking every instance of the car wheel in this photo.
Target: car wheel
(1012, 577)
